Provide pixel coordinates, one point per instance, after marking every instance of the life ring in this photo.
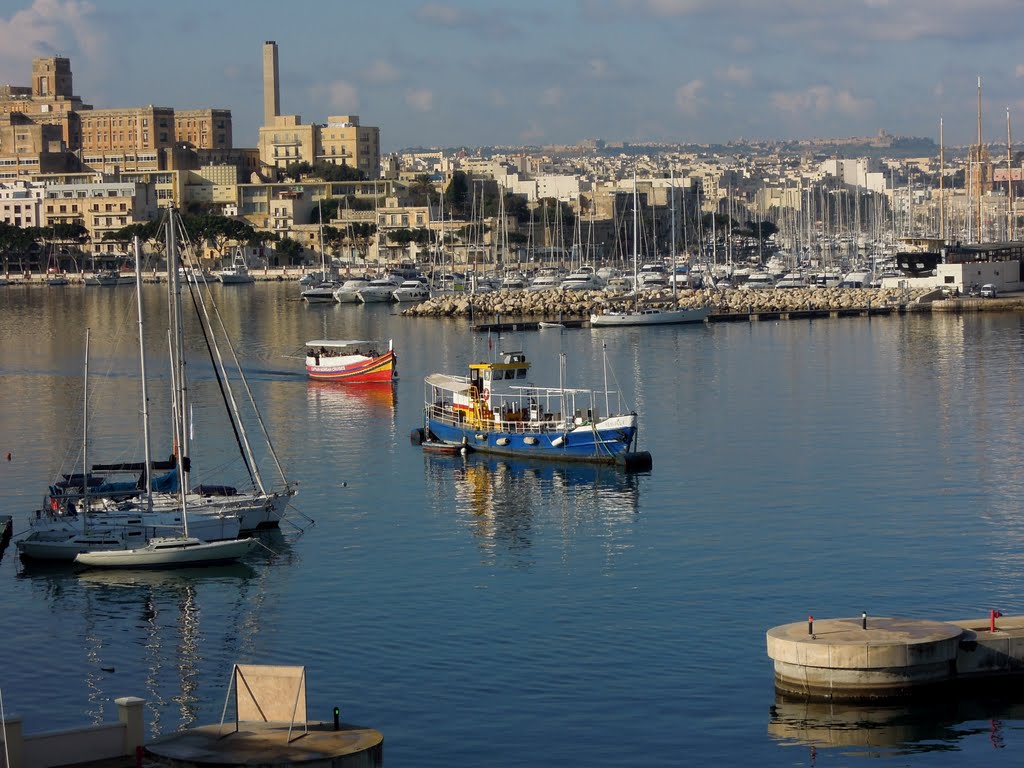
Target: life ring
(485, 394)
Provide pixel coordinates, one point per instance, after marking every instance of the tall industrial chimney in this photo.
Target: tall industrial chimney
(271, 91)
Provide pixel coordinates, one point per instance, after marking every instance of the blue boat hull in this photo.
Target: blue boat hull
(606, 446)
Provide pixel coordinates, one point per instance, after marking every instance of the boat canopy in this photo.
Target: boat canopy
(450, 383)
(329, 343)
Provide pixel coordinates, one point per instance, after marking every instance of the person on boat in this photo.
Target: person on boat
(316, 355)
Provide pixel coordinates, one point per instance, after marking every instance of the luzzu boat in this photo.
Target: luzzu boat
(496, 410)
(353, 361)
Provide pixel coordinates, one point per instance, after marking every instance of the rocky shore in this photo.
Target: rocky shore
(729, 301)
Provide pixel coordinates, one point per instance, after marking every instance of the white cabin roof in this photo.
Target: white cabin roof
(337, 342)
(451, 383)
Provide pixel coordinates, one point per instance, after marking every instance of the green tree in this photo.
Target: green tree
(422, 190)
(456, 196)
(289, 251)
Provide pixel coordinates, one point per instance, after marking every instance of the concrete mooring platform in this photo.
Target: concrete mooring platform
(871, 658)
(266, 744)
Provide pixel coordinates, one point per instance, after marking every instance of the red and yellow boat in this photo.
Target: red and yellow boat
(350, 360)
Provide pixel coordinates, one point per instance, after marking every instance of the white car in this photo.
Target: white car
(988, 291)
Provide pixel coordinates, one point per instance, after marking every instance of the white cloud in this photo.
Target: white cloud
(420, 99)
(340, 95)
(738, 75)
(688, 99)
(381, 71)
(551, 97)
(438, 13)
(531, 134)
(820, 101)
(48, 28)
(1020, 70)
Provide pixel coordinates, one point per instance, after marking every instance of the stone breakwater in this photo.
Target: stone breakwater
(728, 301)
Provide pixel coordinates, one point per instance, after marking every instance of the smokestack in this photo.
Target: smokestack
(271, 92)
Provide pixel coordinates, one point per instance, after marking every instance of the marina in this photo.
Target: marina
(486, 604)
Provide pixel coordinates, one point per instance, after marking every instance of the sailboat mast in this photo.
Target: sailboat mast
(672, 177)
(1009, 179)
(978, 175)
(178, 357)
(636, 240)
(942, 189)
(323, 256)
(85, 433)
(142, 372)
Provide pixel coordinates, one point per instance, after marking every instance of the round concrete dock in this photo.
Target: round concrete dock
(842, 660)
(266, 744)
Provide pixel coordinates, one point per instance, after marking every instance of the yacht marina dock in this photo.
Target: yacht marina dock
(878, 658)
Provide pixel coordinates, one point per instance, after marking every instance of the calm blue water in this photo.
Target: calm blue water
(497, 613)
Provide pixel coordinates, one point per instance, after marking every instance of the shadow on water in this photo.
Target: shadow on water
(936, 723)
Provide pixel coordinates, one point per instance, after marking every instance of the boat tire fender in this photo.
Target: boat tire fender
(638, 461)
(417, 436)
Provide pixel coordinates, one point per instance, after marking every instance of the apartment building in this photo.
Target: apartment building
(100, 207)
(21, 203)
(45, 128)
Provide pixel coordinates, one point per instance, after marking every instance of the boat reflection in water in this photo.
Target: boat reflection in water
(506, 501)
(353, 404)
(930, 723)
(144, 629)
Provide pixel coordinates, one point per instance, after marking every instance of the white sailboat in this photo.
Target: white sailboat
(182, 550)
(646, 315)
(321, 292)
(98, 522)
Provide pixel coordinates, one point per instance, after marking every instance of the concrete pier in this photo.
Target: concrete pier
(265, 744)
(876, 658)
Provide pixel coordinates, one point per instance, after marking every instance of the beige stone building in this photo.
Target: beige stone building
(45, 128)
(285, 140)
(100, 207)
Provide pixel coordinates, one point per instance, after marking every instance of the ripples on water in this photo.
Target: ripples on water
(492, 612)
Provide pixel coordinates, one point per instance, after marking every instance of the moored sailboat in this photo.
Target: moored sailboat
(183, 549)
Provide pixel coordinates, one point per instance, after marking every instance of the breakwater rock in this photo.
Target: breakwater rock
(556, 303)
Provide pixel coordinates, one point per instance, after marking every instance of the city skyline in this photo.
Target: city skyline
(445, 74)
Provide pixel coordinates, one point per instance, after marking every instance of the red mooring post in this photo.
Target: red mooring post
(810, 625)
(993, 615)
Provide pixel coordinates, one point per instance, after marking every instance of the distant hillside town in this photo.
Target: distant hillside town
(78, 182)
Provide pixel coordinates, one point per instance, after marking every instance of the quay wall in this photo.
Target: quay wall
(570, 304)
(76, 745)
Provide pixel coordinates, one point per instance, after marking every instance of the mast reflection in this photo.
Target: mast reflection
(145, 630)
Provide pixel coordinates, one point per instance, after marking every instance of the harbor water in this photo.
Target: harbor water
(492, 612)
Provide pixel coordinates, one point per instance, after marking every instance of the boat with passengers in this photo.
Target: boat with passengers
(496, 409)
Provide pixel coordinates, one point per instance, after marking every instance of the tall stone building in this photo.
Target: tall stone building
(45, 128)
(285, 140)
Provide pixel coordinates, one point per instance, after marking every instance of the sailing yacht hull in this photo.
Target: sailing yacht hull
(169, 553)
(650, 317)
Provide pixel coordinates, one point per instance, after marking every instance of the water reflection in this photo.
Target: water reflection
(933, 724)
(349, 405)
(154, 633)
(504, 500)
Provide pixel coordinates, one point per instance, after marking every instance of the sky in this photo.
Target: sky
(479, 73)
